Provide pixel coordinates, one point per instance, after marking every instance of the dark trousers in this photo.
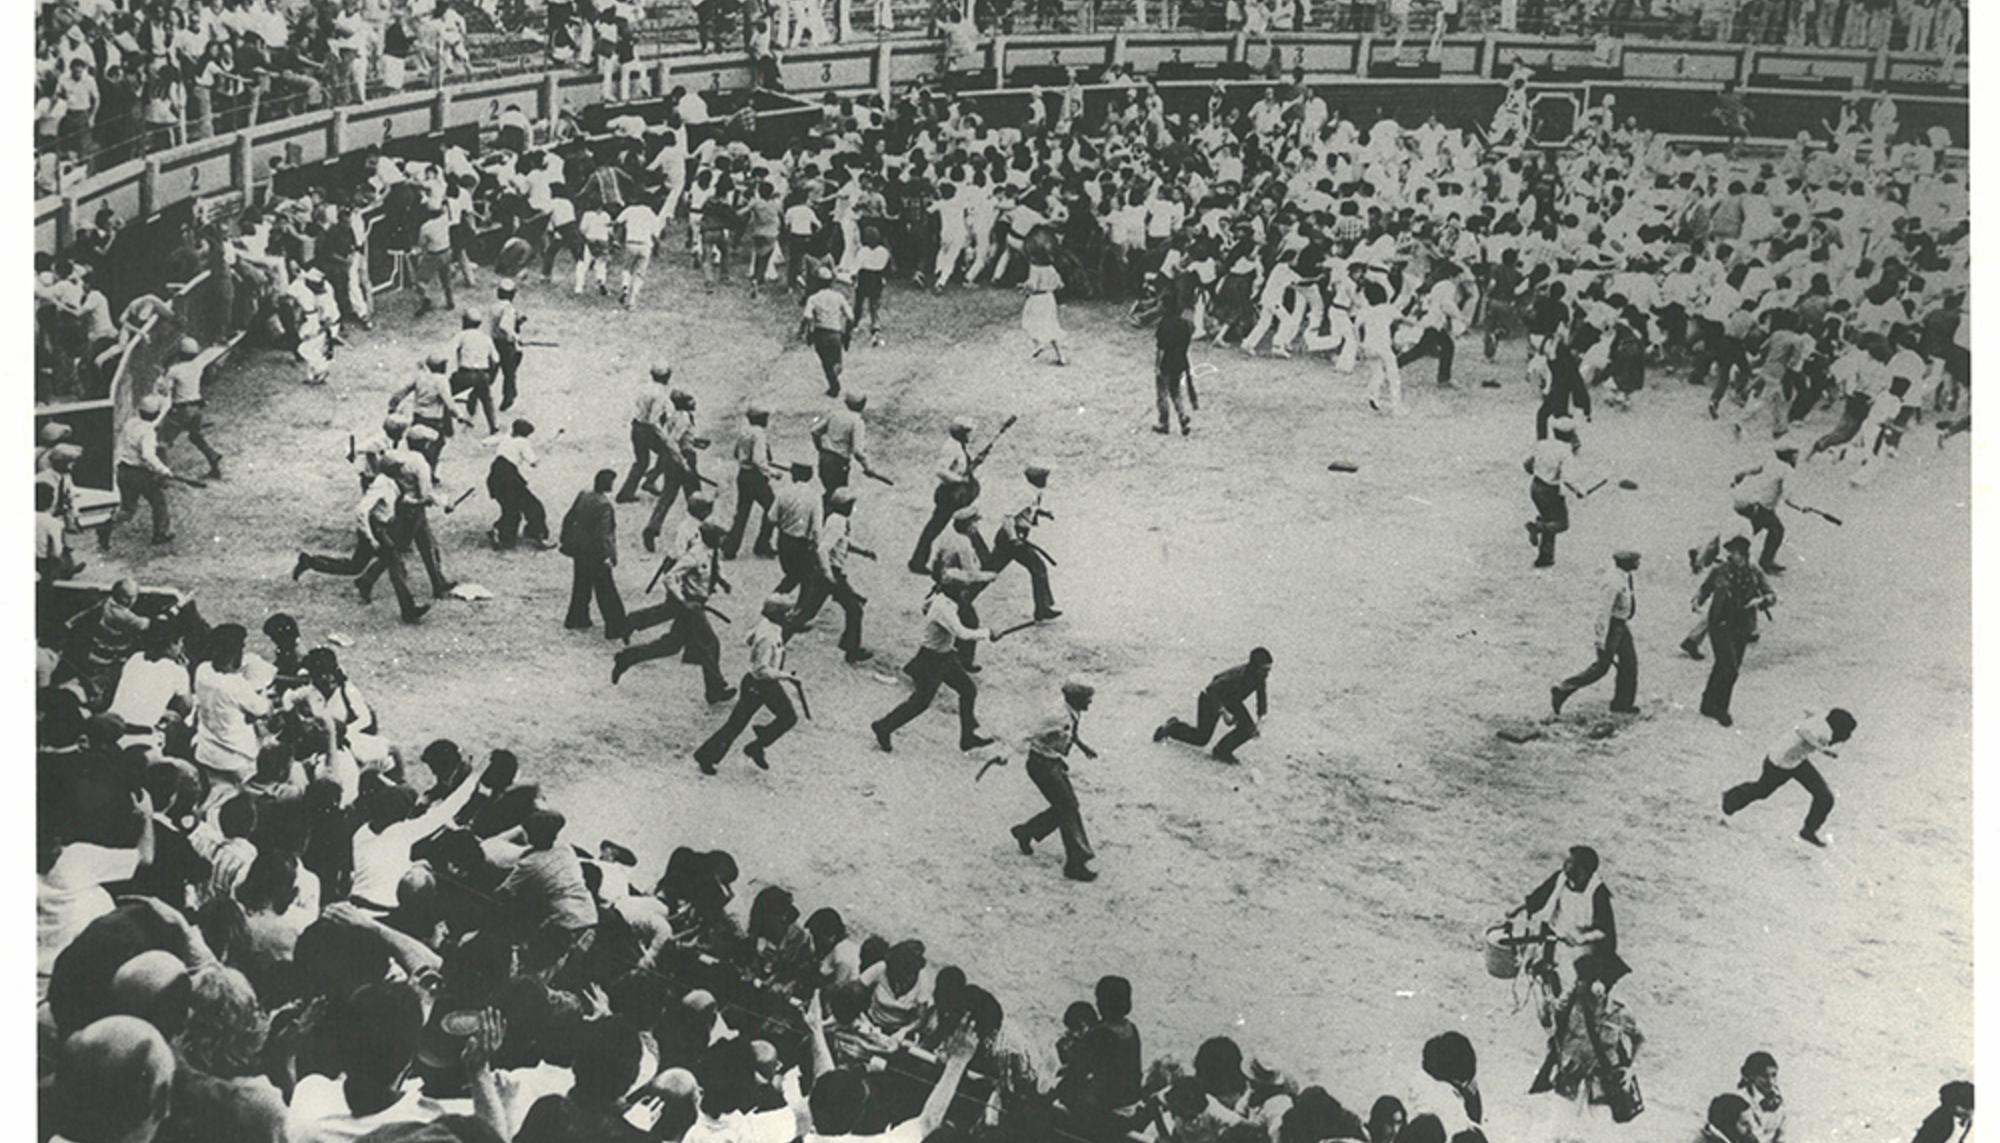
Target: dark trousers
(834, 470)
(1728, 644)
(433, 450)
(929, 671)
(830, 344)
(518, 504)
(136, 483)
(589, 575)
(510, 372)
(1551, 519)
(948, 498)
(1766, 521)
(647, 449)
(1732, 368)
(752, 695)
(188, 419)
(413, 531)
(674, 480)
(818, 589)
(1853, 413)
(1051, 777)
(1168, 391)
(1617, 649)
(1434, 342)
(377, 556)
(478, 383)
(691, 636)
(1774, 779)
(1007, 549)
(364, 552)
(753, 490)
(1208, 713)
(797, 560)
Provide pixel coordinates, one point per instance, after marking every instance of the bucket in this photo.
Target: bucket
(1502, 960)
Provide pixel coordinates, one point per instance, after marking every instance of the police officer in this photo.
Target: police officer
(955, 490)
(762, 688)
(1547, 467)
(841, 437)
(754, 469)
(1012, 545)
(678, 468)
(796, 515)
(829, 580)
(650, 410)
(142, 475)
(182, 381)
(689, 583)
(503, 326)
(1048, 769)
(936, 665)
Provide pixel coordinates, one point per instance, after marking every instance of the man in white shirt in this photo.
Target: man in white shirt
(522, 515)
(762, 688)
(382, 842)
(1792, 760)
(640, 228)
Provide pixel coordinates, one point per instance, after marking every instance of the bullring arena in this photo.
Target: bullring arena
(1325, 900)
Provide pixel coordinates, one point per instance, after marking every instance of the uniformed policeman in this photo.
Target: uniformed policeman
(796, 515)
(954, 490)
(677, 469)
(650, 409)
(1048, 769)
(754, 470)
(762, 688)
(830, 578)
(689, 583)
(935, 665)
(503, 326)
(842, 439)
(1012, 544)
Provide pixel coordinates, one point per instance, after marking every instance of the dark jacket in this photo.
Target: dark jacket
(590, 528)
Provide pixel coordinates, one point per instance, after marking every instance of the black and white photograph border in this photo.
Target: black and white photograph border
(1084, 454)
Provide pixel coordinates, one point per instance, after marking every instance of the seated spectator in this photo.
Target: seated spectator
(114, 1083)
(1107, 1058)
(899, 989)
(390, 826)
(606, 1066)
(223, 840)
(839, 1101)
(546, 885)
(228, 707)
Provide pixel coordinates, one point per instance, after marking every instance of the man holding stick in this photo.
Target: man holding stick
(1224, 699)
(1048, 749)
(796, 516)
(142, 475)
(754, 470)
(678, 466)
(937, 665)
(761, 688)
(503, 327)
(841, 437)
(650, 411)
(1012, 545)
(1758, 492)
(1734, 592)
(182, 382)
(374, 548)
(830, 578)
(689, 584)
(956, 488)
(507, 483)
(1547, 467)
(416, 492)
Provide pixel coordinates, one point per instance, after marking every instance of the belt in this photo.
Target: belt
(197, 403)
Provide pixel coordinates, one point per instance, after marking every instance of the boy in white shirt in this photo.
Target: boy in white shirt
(1792, 759)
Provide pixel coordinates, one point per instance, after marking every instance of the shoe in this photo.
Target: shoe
(215, 471)
(1160, 429)
(1079, 873)
(416, 613)
(974, 742)
(543, 544)
(627, 498)
(1694, 561)
(1021, 839)
(973, 668)
(1186, 428)
(1544, 563)
(881, 737)
(651, 540)
(299, 567)
(1808, 835)
(1534, 535)
(715, 698)
(755, 752)
(918, 569)
(1692, 649)
(619, 665)
(164, 538)
(583, 626)
(1773, 568)
(707, 771)
(766, 552)
(367, 594)
(1048, 615)
(1222, 756)
(1160, 731)
(1616, 709)
(1557, 697)
(859, 655)
(1723, 719)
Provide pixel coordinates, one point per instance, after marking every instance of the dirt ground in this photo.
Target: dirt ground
(1321, 903)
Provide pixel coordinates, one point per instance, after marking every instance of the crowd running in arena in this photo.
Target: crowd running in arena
(261, 917)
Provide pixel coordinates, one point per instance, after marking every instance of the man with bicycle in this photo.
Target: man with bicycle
(1571, 911)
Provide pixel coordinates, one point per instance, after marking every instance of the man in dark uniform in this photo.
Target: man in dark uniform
(829, 579)
(797, 515)
(841, 437)
(936, 664)
(590, 540)
(1225, 697)
(678, 468)
(650, 409)
(1734, 592)
(1048, 748)
(1620, 602)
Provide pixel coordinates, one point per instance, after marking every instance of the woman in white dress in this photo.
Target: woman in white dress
(1038, 314)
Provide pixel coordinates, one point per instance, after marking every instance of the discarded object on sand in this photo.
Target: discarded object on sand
(1343, 466)
(1519, 732)
(470, 592)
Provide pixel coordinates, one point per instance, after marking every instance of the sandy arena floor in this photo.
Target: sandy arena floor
(1322, 902)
